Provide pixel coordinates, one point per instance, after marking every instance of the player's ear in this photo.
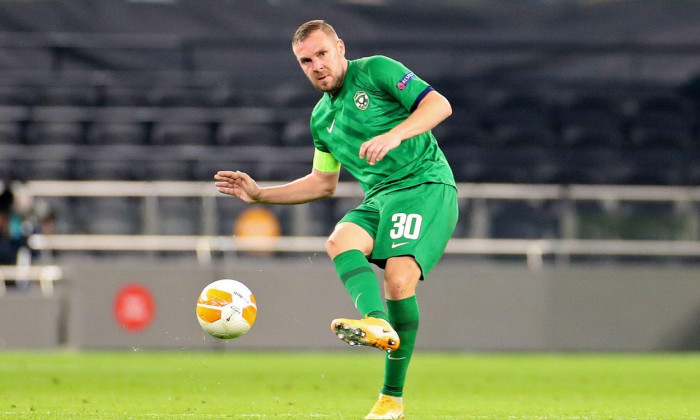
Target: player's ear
(341, 48)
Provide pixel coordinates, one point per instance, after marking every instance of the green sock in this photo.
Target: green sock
(359, 278)
(404, 317)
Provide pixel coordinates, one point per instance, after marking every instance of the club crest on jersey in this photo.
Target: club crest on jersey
(361, 100)
(406, 79)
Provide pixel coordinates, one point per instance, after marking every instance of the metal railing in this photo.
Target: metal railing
(45, 275)
(683, 198)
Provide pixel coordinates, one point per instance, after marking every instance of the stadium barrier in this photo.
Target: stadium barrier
(502, 306)
(130, 305)
(45, 275)
(203, 246)
(683, 199)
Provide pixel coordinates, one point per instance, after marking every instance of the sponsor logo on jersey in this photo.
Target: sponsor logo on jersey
(361, 100)
(406, 79)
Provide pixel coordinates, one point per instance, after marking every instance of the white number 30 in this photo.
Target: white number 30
(405, 226)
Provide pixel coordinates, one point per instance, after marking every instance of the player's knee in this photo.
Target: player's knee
(400, 280)
(333, 248)
(399, 287)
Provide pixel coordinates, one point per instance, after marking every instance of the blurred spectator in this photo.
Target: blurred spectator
(12, 239)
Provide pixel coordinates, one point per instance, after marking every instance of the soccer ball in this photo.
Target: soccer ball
(226, 309)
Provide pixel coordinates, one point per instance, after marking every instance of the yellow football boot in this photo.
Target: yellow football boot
(374, 332)
(386, 408)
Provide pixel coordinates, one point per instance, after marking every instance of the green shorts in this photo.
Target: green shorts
(416, 221)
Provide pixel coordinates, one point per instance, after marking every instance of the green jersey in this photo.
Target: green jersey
(377, 94)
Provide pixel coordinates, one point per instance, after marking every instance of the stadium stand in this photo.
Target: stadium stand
(184, 95)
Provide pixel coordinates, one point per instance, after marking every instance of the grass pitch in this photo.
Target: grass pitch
(344, 385)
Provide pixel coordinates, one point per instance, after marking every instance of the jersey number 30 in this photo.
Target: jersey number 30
(405, 225)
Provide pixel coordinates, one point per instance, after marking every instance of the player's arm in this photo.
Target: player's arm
(320, 183)
(431, 111)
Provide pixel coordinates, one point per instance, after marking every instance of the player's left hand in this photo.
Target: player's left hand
(376, 148)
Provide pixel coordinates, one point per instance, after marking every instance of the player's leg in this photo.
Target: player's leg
(348, 247)
(411, 238)
(401, 278)
(400, 281)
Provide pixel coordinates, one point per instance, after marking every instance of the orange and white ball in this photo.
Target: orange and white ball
(226, 309)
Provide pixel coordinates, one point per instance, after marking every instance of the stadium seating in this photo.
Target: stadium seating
(11, 132)
(189, 109)
(509, 124)
(180, 134)
(179, 216)
(107, 215)
(109, 133)
(237, 134)
(54, 132)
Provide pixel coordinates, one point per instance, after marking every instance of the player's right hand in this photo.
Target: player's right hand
(238, 184)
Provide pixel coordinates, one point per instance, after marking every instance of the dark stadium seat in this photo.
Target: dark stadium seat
(178, 134)
(565, 173)
(178, 96)
(223, 95)
(648, 171)
(124, 95)
(106, 133)
(522, 136)
(287, 171)
(628, 220)
(592, 136)
(323, 216)
(582, 166)
(297, 133)
(511, 219)
(110, 215)
(237, 134)
(179, 216)
(692, 174)
(649, 137)
(662, 122)
(11, 132)
(461, 129)
(65, 219)
(168, 170)
(665, 110)
(296, 95)
(227, 210)
(490, 172)
(519, 119)
(54, 132)
(7, 170)
(595, 221)
(205, 168)
(110, 169)
(517, 108)
(68, 95)
(19, 94)
(46, 169)
(591, 121)
(590, 109)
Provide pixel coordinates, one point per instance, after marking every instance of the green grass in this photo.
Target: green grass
(343, 385)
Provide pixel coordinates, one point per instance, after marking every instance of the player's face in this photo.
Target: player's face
(323, 60)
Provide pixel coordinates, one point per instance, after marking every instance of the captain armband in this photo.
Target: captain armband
(325, 162)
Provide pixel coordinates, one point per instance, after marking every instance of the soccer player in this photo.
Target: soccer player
(374, 118)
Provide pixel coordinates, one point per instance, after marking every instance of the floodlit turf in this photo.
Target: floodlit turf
(343, 385)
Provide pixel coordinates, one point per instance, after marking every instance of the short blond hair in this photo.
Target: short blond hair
(312, 26)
